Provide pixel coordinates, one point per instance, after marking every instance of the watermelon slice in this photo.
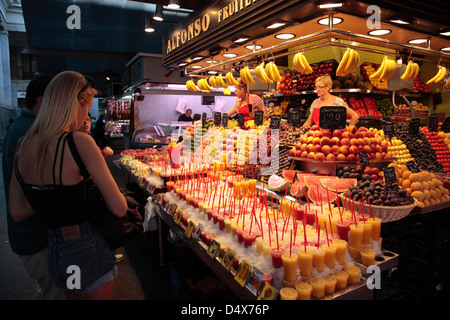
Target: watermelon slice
(320, 196)
(338, 185)
(297, 187)
(277, 183)
(289, 175)
(313, 180)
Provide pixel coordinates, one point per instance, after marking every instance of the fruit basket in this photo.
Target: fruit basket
(386, 214)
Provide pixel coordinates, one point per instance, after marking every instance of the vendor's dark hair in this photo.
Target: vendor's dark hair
(35, 89)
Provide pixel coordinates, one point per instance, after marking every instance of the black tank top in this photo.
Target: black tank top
(59, 205)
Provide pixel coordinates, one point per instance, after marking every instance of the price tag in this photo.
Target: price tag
(333, 117)
(446, 125)
(217, 118)
(433, 120)
(203, 118)
(275, 121)
(294, 118)
(363, 159)
(213, 249)
(259, 117)
(389, 175)
(388, 128)
(414, 126)
(412, 166)
(240, 119)
(225, 120)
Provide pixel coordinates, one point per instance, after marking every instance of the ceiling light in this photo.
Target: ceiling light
(230, 55)
(417, 41)
(197, 58)
(149, 25)
(239, 40)
(285, 36)
(253, 47)
(379, 32)
(275, 25)
(324, 21)
(182, 64)
(399, 21)
(445, 33)
(173, 4)
(195, 67)
(445, 49)
(329, 5)
(158, 16)
(212, 72)
(211, 61)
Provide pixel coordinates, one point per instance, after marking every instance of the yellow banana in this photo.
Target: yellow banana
(343, 63)
(276, 72)
(348, 66)
(269, 71)
(416, 71)
(298, 63)
(220, 81)
(389, 70)
(212, 82)
(407, 74)
(432, 80)
(380, 70)
(305, 64)
(447, 84)
(246, 76)
(191, 86)
(442, 75)
(231, 80)
(226, 91)
(261, 74)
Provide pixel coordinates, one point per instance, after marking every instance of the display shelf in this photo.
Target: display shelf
(429, 209)
(387, 260)
(351, 90)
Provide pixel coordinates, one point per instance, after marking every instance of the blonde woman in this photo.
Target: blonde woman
(246, 103)
(325, 98)
(48, 182)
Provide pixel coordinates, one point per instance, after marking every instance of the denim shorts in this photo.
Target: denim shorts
(95, 261)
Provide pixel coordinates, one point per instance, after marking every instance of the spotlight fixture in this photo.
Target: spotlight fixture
(158, 16)
(173, 4)
(275, 25)
(230, 55)
(379, 32)
(149, 25)
(446, 49)
(445, 33)
(417, 41)
(211, 61)
(253, 47)
(401, 19)
(196, 67)
(325, 21)
(241, 39)
(285, 36)
(329, 4)
(182, 64)
(197, 58)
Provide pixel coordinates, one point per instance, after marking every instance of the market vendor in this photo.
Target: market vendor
(246, 103)
(323, 86)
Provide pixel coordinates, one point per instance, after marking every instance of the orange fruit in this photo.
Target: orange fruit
(416, 186)
(426, 194)
(406, 174)
(425, 185)
(414, 177)
(408, 190)
(406, 184)
(420, 204)
(418, 195)
(426, 203)
(433, 195)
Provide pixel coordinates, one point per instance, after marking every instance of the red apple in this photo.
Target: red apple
(354, 150)
(317, 148)
(330, 157)
(319, 156)
(325, 141)
(345, 150)
(340, 157)
(298, 153)
(292, 153)
(367, 149)
(326, 149)
(335, 149)
(304, 154)
(345, 142)
(316, 140)
(334, 141)
(350, 157)
(338, 133)
(311, 155)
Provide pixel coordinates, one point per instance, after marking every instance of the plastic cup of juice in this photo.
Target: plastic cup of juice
(353, 274)
(267, 277)
(249, 238)
(341, 279)
(368, 257)
(355, 253)
(287, 293)
(342, 229)
(318, 287)
(266, 246)
(305, 262)
(330, 255)
(245, 187)
(221, 220)
(276, 254)
(237, 189)
(330, 284)
(290, 263)
(240, 234)
(252, 187)
(259, 244)
(285, 206)
(356, 234)
(304, 290)
(367, 233)
(310, 217)
(376, 228)
(319, 258)
(227, 222)
(341, 250)
(299, 212)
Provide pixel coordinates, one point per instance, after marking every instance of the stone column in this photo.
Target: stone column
(5, 83)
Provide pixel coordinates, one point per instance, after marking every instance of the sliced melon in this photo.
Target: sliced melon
(313, 180)
(289, 175)
(338, 185)
(277, 183)
(297, 187)
(320, 196)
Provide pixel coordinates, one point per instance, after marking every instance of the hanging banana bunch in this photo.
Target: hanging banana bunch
(411, 72)
(386, 69)
(440, 75)
(191, 86)
(349, 62)
(231, 80)
(204, 85)
(261, 74)
(272, 71)
(301, 64)
(246, 76)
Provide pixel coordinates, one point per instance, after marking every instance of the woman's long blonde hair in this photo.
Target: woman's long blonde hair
(58, 112)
